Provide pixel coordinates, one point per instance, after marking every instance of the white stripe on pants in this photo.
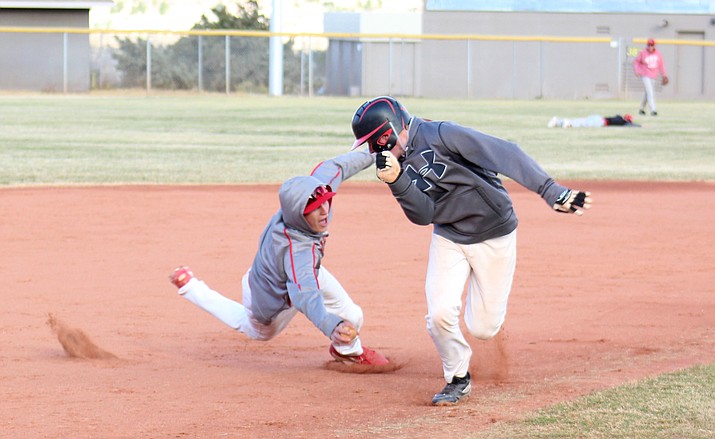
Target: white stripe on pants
(489, 269)
(239, 317)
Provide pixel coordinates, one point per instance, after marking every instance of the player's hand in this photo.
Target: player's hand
(665, 80)
(571, 201)
(388, 168)
(344, 333)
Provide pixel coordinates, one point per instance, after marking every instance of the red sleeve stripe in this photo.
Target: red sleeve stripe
(315, 272)
(337, 174)
(316, 167)
(292, 262)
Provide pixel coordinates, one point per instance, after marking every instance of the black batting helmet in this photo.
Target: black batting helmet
(378, 122)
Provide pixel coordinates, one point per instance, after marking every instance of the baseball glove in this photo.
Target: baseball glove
(665, 80)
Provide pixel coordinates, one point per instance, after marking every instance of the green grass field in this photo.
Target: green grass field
(190, 139)
(676, 405)
(48, 139)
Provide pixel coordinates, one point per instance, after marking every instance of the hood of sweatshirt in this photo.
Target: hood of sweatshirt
(294, 195)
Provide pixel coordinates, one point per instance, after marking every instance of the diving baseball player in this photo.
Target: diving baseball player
(287, 276)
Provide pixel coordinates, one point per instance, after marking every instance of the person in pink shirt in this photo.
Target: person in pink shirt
(647, 66)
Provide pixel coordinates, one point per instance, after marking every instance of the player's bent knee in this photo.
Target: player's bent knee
(258, 331)
(262, 334)
(442, 319)
(484, 332)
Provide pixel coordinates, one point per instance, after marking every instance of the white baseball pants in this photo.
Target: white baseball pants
(649, 95)
(592, 121)
(488, 270)
(239, 317)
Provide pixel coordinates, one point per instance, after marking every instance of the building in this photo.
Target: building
(372, 65)
(539, 49)
(48, 62)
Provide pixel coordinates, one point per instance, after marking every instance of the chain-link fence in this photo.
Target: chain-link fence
(79, 60)
(204, 62)
(460, 66)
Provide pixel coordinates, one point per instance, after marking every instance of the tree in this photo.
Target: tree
(248, 55)
(247, 18)
(177, 66)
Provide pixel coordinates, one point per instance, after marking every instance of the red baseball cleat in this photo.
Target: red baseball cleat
(368, 357)
(181, 276)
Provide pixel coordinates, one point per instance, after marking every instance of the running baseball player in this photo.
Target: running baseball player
(446, 175)
(287, 276)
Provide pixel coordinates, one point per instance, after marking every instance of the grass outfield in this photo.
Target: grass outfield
(64, 140)
(675, 405)
(86, 139)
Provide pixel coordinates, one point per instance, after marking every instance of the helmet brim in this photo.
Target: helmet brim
(360, 140)
(357, 144)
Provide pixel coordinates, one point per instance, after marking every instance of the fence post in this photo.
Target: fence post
(402, 67)
(228, 64)
(513, 69)
(469, 68)
(201, 87)
(302, 70)
(310, 67)
(541, 70)
(148, 64)
(64, 62)
(619, 47)
(389, 66)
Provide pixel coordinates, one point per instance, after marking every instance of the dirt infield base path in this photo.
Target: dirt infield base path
(621, 293)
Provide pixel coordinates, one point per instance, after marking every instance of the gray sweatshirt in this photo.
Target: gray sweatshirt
(450, 179)
(285, 268)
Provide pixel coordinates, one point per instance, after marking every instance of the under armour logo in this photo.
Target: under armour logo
(418, 175)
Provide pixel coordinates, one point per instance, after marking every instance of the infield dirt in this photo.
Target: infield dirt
(624, 292)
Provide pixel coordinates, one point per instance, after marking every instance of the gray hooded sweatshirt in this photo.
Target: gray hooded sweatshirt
(285, 269)
(450, 179)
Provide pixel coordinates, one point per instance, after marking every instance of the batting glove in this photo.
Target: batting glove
(388, 168)
(571, 201)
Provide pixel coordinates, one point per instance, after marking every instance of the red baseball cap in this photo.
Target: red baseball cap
(320, 195)
(651, 42)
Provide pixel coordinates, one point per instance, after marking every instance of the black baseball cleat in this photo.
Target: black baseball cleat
(641, 112)
(453, 392)
(653, 113)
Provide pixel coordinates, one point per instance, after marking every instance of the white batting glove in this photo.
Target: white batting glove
(344, 333)
(572, 201)
(388, 168)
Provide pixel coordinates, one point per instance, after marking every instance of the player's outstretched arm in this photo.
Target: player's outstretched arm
(573, 201)
(338, 169)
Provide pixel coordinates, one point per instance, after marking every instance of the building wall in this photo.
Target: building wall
(525, 70)
(384, 65)
(392, 68)
(34, 61)
(343, 68)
